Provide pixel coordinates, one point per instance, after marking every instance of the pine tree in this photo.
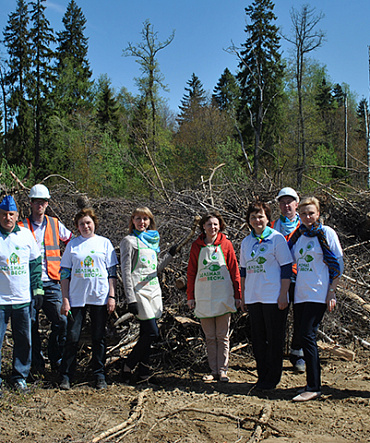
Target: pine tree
(42, 37)
(192, 101)
(107, 108)
(261, 72)
(226, 93)
(73, 86)
(18, 143)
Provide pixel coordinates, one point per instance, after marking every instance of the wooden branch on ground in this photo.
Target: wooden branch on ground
(337, 350)
(123, 426)
(265, 417)
(258, 421)
(352, 280)
(125, 317)
(355, 298)
(360, 340)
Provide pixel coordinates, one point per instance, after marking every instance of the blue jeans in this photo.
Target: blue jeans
(52, 302)
(21, 331)
(268, 334)
(311, 315)
(98, 316)
(141, 351)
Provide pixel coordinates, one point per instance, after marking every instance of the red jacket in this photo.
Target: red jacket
(231, 263)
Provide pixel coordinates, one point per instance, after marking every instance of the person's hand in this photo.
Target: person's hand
(238, 303)
(244, 307)
(331, 300)
(191, 304)
(38, 300)
(111, 304)
(133, 308)
(173, 250)
(64, 310)
(283, 301)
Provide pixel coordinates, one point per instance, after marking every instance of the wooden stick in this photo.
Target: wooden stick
(125, 424)
(265, 416)
(337, 350)
(355, 298)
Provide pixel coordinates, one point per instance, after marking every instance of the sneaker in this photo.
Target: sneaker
(65, 384)
(307, 396)
(300, 365)
(101, 384)
(20, 385)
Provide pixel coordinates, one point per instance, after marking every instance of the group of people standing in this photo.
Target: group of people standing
(87, 275)
(294, 259)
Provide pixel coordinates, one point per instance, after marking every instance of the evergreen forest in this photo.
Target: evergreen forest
(276, 120)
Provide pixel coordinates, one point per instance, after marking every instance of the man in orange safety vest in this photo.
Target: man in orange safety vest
(48, 232)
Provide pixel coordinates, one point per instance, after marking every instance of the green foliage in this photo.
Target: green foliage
(21, 171)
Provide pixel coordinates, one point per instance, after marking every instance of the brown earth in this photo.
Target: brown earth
(181, 408)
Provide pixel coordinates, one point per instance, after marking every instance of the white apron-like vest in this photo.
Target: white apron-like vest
(214, 291)
(146, 285)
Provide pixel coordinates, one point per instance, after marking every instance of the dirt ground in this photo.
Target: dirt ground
(181, 408)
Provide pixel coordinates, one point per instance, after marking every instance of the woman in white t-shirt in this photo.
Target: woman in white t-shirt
(88, 281)
(266, 268)
(317, 251)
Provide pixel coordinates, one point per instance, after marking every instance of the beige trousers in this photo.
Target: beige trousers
(216, 330)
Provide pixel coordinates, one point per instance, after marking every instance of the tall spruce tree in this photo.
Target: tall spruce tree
(107, 108)
(260, 75)
(18, 143)
(73, 86)
(194, 99)
(42, 37)
(226, 93)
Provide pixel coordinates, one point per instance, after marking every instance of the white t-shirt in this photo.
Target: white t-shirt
(39, 231)
(16, 251)
(312, 273)
(89, 259)
(262, 262)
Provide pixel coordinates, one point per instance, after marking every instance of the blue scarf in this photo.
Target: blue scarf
(260, 238)
(288, 226)
(330, 258)
(149, 238)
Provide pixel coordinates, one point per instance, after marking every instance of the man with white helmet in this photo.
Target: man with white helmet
(286, 224)
(48, 232)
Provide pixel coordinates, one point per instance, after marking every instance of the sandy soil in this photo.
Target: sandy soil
(181, 408)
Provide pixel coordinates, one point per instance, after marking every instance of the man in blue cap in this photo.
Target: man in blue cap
(20, 281)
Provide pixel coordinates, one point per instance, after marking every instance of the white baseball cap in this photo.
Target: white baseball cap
(290, 192)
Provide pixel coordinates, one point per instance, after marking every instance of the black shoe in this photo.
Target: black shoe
(126, 376)
(101, 384)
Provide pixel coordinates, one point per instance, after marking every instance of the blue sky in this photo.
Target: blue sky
(203, 29)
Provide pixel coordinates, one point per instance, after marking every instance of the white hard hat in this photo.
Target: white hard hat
(39, 191)
(290, 192)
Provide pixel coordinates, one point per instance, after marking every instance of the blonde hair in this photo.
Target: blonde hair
(143, 210)
(309, 201)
